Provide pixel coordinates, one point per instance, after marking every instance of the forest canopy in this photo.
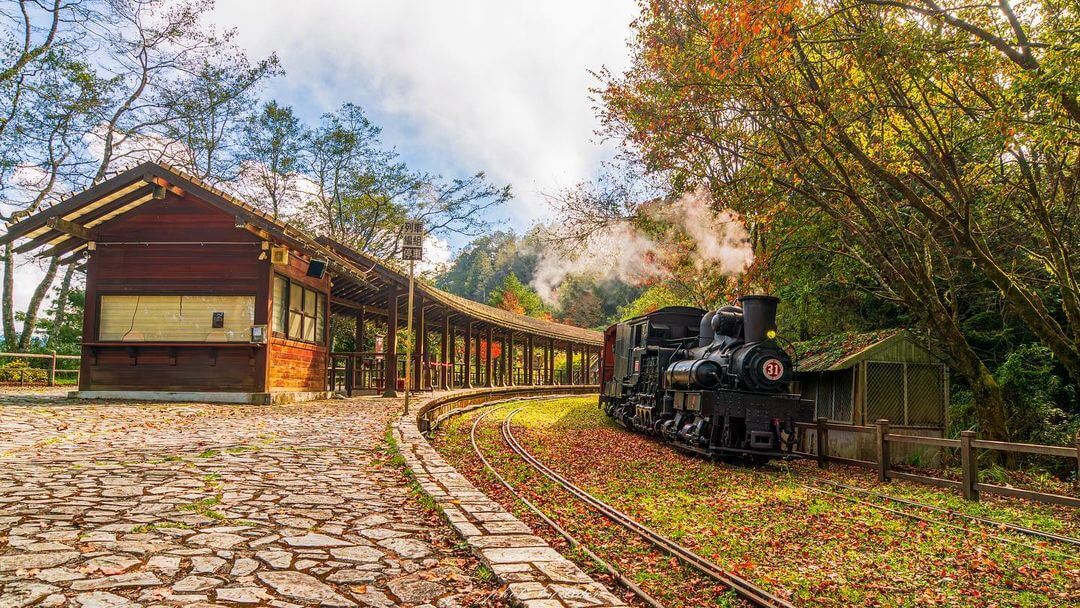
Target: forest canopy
(911, 162)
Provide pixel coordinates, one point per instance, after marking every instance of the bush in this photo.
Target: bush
(1036, 397)
(1039, 405)
(19, 370)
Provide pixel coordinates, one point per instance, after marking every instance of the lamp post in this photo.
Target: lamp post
(412, 250)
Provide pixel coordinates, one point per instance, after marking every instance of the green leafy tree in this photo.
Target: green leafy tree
(364, 192)
(485, 263)
(271, 153)
(65, 336)
(652, 299)
(518, 298)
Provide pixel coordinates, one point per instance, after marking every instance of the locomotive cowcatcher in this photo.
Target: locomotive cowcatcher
(715, 383)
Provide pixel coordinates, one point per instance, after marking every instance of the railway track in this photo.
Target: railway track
(574, 542)
(744, 589)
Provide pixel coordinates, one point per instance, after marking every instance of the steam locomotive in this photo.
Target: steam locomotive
(715, 383)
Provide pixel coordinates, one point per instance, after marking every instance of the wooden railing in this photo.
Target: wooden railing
(969, 485)
(352, 372)
(52, 370)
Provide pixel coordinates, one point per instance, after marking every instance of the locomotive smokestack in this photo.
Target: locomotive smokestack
(759, 316)
(705, 330)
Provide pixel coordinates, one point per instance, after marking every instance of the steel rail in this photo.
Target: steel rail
(1049, 536)
(743, 588)
(626, 582)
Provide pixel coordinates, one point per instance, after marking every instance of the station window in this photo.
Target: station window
(175, 318)
(298, 312)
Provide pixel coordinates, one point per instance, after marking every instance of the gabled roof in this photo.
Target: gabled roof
(841, 351)
(65, 228)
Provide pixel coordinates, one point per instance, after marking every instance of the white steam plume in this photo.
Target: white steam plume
(623, 253)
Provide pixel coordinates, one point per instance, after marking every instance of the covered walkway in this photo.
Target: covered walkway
(459, 344)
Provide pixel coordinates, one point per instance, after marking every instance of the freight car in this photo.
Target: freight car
(715, 383)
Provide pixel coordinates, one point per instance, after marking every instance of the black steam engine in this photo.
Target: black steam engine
(712, 382)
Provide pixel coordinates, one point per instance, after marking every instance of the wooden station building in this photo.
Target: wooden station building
(192, 294)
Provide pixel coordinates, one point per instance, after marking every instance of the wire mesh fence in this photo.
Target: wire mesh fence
(909, 394)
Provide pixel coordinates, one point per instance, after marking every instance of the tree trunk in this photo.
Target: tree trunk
(30, 322)
(61, 302)
(8, 302)
(986, 394)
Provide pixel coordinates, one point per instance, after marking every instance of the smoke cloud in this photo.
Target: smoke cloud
(621, 252)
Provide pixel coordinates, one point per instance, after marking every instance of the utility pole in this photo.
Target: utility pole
(412, 249)
(410, 342)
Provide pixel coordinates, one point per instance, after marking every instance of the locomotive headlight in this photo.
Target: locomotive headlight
(771, 334)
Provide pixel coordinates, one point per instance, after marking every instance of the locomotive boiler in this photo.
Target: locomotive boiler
(715, 382)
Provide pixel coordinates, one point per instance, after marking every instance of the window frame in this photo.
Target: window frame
(306, 317)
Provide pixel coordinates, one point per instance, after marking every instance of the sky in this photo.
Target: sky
(457, 86)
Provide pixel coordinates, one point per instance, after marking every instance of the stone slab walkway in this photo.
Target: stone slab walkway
(537, 575)
(110, 505)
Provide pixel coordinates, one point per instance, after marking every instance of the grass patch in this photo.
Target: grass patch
(484, 574)
(208, 453)
(397, 460)
(204, 507)
(762, 524)
(160, 525)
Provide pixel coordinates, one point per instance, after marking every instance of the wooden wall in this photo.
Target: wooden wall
(226, 263)
(296, 366)
(198, 369)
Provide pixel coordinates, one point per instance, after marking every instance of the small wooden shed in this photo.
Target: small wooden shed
(857, 378)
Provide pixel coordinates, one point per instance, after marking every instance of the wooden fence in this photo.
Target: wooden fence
(969, 485)
(53, 369)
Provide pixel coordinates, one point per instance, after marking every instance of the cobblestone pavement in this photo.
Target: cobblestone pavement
(118, 505)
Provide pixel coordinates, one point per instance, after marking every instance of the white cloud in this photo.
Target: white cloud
(498, 86)
(436, 255)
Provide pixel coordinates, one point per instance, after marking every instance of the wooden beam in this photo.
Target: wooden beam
(160, 182)
(75, 257)
(67, 246)
(75, 230)
(69, 205)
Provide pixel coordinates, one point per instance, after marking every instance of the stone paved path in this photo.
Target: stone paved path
(120, 505)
